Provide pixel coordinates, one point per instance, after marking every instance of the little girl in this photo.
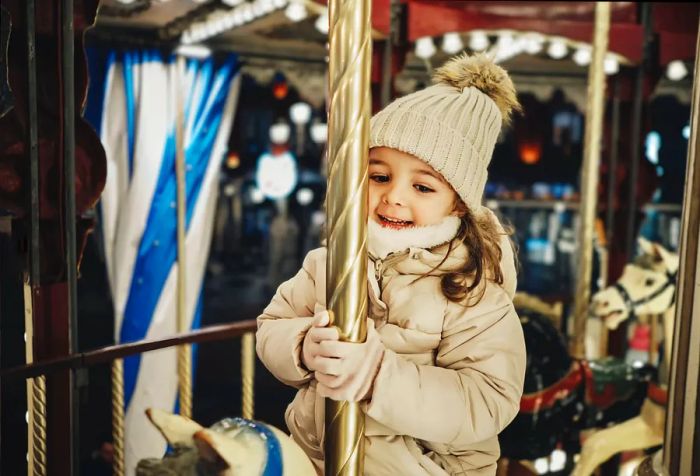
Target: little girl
(441, 372)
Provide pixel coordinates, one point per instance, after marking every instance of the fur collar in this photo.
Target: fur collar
(383, 241)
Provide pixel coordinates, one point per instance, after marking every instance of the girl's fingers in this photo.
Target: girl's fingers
(328, 366)
(335, 348)
(318, 334)
(330, 381)
(321, 319)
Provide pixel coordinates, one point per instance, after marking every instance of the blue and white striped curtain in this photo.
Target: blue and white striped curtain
(138, 206)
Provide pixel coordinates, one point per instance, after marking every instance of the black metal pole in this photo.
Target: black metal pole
(68, 72)
(612, 171)
(386, 71)
(391, 41)
(35, 464)
(635, 137)
(32, 141)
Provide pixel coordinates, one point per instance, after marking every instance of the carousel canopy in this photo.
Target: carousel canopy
(272, 27)
(535, 40)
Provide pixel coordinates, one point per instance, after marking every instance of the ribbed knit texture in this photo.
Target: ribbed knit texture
(453, 131)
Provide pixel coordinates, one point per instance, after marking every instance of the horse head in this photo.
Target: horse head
(231, 447)
(647, 286)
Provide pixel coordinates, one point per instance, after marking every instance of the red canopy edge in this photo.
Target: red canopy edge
(434, 20)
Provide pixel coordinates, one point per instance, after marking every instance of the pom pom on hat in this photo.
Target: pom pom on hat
(480, 72)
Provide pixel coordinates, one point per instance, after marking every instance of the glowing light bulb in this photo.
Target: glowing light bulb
(582, 56)
(296, 12)
(557, 48)
(322, 22)
(541, 466)
(676, 70)
(256, 195)
(305, 196)
(557, 460)
(319, 132)
(425, 48)
(533, 43)
(478, 41)
(279, 133)
(452, 43)
(276, 175)
(610, 65)
(300, 113)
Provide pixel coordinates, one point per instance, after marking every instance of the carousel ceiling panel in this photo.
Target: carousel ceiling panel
(145, 13)
(272, 34)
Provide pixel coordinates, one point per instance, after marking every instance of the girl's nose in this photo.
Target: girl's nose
(393, 196)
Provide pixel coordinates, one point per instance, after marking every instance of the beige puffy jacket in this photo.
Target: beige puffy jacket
(451, 377)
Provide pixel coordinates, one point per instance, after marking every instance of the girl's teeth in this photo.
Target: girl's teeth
(395, 220)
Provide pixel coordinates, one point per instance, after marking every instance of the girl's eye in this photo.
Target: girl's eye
(423, 188)
(379, 178)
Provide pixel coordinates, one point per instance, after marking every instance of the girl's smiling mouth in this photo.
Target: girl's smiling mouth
(395, 223)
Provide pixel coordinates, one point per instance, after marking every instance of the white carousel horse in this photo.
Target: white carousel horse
(647, 287)
(231, 447)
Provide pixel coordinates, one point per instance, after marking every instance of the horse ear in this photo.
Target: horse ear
(175, 429)
(670, 260)
(646, 246)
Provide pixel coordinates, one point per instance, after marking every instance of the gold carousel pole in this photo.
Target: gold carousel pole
(589, 175)
(346, 203)
(118, 468)
(184, 357)
(247, 375)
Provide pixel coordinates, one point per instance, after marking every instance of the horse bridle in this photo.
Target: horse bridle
(631, 304)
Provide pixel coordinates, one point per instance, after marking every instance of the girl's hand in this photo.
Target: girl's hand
(349, 369)
(312, 354)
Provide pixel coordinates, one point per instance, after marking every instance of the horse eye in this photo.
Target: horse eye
(648, 282)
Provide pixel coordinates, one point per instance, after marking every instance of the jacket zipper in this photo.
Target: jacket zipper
(379, 265)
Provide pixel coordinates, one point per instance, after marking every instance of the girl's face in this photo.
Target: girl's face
(404, 191)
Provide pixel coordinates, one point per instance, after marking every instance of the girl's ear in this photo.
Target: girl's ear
(460, 209)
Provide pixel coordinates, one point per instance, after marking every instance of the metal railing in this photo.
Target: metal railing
(37, 371)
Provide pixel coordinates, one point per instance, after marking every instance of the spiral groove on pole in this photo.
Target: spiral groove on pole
(118, 416)
(184, 366)
(38, 421)
(247, 375)
(346, 208)
(36, 393)
(595, 107)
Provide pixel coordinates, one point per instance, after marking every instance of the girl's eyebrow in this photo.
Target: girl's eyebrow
(376, 162)
(431, 173)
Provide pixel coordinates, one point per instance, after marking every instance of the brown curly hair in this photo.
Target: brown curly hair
(482, 237)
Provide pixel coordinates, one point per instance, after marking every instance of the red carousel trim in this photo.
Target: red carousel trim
(535, 402)
(657, 394)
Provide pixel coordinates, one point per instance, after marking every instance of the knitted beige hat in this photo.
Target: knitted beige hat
(452, 125)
